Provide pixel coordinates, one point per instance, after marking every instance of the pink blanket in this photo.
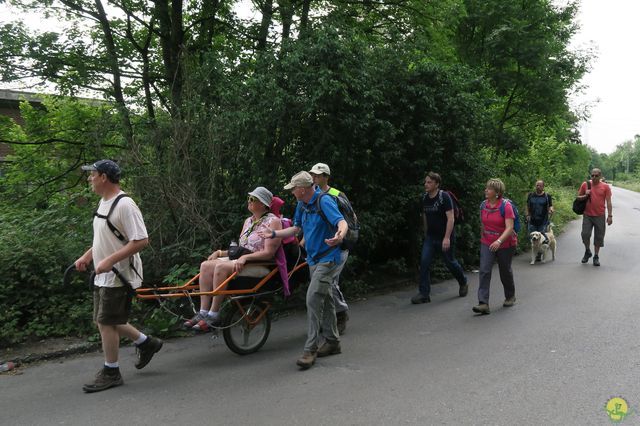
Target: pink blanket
(281, 261)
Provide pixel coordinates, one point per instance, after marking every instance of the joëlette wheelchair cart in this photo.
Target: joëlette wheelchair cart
(246, 318)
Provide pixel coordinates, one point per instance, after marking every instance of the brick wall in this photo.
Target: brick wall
(10, 109)
(12, 112)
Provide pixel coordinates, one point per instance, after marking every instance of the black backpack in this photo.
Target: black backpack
(345, 208)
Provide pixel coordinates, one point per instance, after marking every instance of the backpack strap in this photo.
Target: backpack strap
(333, 191)
(450, 196)
(441, 195)
(320, 212)
(130, 289)
(483, 206)
(326, 220)
(119, 235)
(588, 187)
(425, 196)
(588, 182)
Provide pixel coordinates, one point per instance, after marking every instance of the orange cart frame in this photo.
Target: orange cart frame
(246, 324)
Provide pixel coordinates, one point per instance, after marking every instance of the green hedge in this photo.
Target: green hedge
(35, 248)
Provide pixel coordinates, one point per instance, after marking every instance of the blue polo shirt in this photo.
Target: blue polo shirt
(316, 229)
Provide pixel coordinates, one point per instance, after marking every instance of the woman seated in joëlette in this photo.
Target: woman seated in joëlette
(218, 267)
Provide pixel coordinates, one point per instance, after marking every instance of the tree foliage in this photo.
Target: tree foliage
(523, 49)
(201, 105)
(623, 163)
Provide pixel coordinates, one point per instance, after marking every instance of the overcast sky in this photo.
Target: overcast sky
(613, 93)
(614, 81)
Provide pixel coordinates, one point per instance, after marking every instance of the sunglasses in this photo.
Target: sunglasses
(252, 199)
(595, 175)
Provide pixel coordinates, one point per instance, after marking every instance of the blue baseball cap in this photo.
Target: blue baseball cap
(107, 167)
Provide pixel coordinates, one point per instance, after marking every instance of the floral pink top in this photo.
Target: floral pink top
(249, 237)
(493, 224)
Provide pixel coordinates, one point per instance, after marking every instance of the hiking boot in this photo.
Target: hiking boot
(146, 350)
(106, 378)
(509, 302)
(481, 308)
(596, 260)
(342, 318)
(587, 255)
(193, 321)
(306, 360)
(419, 298)
(207, 324)
(464, 289)
(329, 347)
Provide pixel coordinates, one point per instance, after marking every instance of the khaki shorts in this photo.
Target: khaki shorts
(599, 226)
(111, 305)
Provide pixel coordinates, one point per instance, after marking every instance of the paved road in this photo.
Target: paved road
(571, 343)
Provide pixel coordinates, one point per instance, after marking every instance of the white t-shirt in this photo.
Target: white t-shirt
(127, 218)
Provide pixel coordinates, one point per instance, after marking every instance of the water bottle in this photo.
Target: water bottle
(7, 366)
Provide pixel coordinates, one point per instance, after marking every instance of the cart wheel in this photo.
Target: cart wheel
(250, 331)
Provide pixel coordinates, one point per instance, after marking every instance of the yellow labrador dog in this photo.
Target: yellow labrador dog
(538, 246)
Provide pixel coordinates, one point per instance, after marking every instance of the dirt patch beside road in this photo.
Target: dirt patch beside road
(50, 348)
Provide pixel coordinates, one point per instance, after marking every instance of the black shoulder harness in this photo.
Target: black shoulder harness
(119, 235)
(111, 226)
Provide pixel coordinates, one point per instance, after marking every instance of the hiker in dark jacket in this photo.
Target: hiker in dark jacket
(438, 220)
(539, 210)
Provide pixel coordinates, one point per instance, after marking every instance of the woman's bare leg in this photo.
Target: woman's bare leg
(223, 270)
(205, 282)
